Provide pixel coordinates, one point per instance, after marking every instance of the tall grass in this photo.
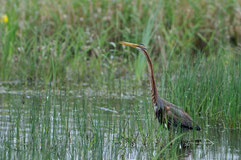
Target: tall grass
(76, 35)
(72, 124)
(90, 120)
(194, 45)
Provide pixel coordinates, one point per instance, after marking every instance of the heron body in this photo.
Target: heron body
(165, 112)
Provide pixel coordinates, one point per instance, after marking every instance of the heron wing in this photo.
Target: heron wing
(177, 116)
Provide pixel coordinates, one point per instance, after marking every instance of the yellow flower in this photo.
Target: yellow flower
(4, 18)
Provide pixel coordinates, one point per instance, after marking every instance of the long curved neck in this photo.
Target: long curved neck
(152, 79)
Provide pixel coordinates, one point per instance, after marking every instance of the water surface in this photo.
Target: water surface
(87, 121)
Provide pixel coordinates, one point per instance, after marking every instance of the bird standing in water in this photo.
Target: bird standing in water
(165, 112)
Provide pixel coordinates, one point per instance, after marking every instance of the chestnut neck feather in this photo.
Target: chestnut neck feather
(152, 79)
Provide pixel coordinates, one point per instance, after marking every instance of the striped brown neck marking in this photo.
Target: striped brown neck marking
(152, 79)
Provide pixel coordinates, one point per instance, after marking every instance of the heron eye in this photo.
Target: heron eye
(141, 44)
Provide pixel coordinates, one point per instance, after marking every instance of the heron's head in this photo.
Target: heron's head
(134, 45)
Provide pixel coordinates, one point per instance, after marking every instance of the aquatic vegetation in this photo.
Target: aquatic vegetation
(89, 121)
(83, 36)
(67, 89)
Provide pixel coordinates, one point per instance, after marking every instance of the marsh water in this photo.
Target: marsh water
(82, 121)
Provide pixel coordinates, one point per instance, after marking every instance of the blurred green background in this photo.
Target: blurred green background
(69, 90)
(78, 39)
(195, 46)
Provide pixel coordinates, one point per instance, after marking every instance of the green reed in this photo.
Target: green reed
(81, 37)
(95, 120)
(194, 48)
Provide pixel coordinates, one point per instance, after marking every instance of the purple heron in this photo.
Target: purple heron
(165, 112)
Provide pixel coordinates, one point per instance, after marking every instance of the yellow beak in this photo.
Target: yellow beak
(130, 44)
